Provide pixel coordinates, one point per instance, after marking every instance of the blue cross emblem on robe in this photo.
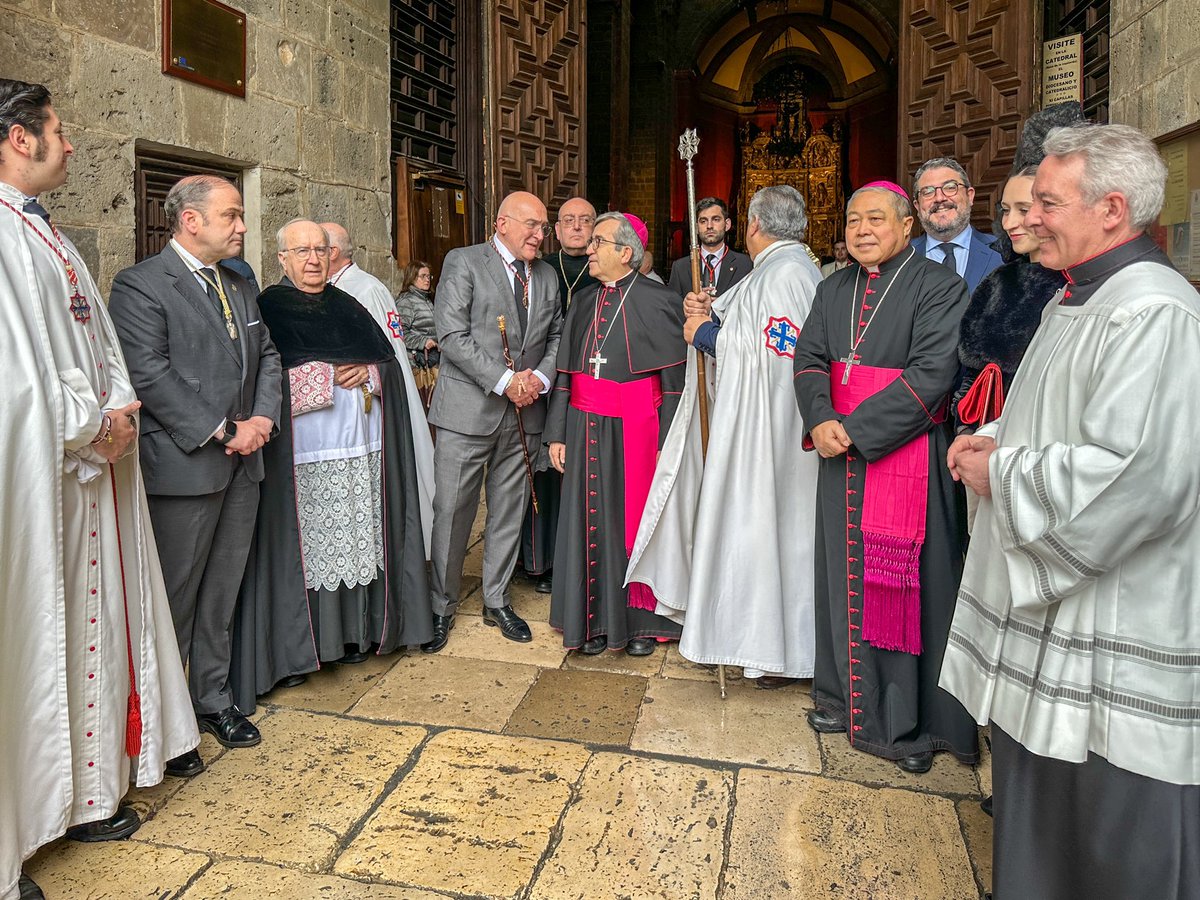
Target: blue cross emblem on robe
(782, 335)
(396, 326)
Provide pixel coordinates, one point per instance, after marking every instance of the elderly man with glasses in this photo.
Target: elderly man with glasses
(480, 388)
(621, 368)
(337, 567)
(943, 196)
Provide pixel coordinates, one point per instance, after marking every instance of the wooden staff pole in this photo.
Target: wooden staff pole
(508, 360)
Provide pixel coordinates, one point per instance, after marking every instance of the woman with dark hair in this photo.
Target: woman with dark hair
(414, 303)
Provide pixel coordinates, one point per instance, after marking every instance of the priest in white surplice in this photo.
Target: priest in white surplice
(727, 545)
(82, 603)
(1076, 633)
(373, 294)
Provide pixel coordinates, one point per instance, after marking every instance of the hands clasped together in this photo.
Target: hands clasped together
(523, 388)
(967, 460)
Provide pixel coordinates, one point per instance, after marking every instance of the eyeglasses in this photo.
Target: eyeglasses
(531, 224)
(949, 189)
(581, 221)
(305, 252)
(424, 276)
(595, 241)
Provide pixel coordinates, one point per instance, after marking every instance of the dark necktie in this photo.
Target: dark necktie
(520, 280)
(210, 278)
(34, 208)
(948, 249)
(711, 269)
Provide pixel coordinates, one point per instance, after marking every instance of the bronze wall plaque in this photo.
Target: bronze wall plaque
(205, 41)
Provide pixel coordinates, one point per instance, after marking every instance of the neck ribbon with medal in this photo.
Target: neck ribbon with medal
(81, 310)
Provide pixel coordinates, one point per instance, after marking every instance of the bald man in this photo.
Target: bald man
(475, 405)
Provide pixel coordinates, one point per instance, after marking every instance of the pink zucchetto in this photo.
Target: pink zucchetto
(886, 186)
(639, 227)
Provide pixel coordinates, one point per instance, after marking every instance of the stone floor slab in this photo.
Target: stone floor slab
(948, 775)
(618, 661)
(675, 666)
(642, 828)
(763, 728)
(335, 688)
(291, 799)
(803, 837)
(434, 689)
(127, 870)
(148, 801)
(594, 707)
(473, 816)
(231, 879)
(473, 639)
(977, 828)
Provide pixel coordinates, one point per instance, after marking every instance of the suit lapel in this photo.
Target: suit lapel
(503, 276)
(189, 289)
(728, 269)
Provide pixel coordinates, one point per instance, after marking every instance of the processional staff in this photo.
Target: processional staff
(689, 144)
(508, 361)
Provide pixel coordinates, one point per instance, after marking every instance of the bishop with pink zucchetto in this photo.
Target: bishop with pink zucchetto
(875, 365)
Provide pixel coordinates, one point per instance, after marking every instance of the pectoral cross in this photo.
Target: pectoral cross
(848, 360)
(596, 362)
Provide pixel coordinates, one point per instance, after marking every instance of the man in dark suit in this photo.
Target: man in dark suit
(943, 196)
(474, 405)
(208, 376)
(720, 264)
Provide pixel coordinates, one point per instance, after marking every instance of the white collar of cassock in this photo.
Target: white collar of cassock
(613, 284)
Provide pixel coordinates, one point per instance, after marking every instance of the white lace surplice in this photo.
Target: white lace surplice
(339, 499)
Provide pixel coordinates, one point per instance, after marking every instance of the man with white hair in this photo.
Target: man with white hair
(1075, 633)
(725, 550)
(620, 374)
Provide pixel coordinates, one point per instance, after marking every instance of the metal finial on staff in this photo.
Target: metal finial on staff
(508, 361)
(689, 146)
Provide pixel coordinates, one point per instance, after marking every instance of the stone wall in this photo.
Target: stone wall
(1154, 80)
(312, 134)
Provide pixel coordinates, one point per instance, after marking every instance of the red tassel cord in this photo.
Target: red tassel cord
(133, 716)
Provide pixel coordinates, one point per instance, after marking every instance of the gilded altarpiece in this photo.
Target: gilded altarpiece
(814, 169)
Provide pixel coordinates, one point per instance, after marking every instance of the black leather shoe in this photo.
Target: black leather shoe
(230, 727)
(189, 765)
(354, 657)
(986, 804)
(442, 626)
(29, 890)
(595, 646)
(292, 681)
(115, 828)
(641, 646)
(918, 763)
(545, 584)
(823, 723)
(771, 682)
(510, 624)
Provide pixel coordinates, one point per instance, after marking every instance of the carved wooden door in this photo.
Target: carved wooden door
(967, 82)
(537, 99)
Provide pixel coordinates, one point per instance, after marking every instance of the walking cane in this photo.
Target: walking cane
(508, 361)
(689, 144)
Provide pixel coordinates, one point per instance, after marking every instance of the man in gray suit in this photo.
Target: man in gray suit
(475, 402)
(208, 376)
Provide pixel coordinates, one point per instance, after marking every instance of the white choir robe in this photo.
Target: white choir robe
(727, 544)
(377, 300)
(64, 662)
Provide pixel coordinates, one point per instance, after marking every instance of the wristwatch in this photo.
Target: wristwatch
(230, 431)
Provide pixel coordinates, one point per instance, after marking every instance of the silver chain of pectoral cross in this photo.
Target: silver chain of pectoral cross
(856, 337)
(597, 360)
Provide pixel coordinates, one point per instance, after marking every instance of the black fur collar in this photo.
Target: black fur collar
(1004, 313)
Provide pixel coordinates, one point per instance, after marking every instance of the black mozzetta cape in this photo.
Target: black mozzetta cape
(331, 327)
(273, 629)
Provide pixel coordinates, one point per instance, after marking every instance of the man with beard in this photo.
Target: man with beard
(338, 561)
(576, 218)
(1076, 634)
(944, 195)
(875, 364)
(92, 695)
(620, 374)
